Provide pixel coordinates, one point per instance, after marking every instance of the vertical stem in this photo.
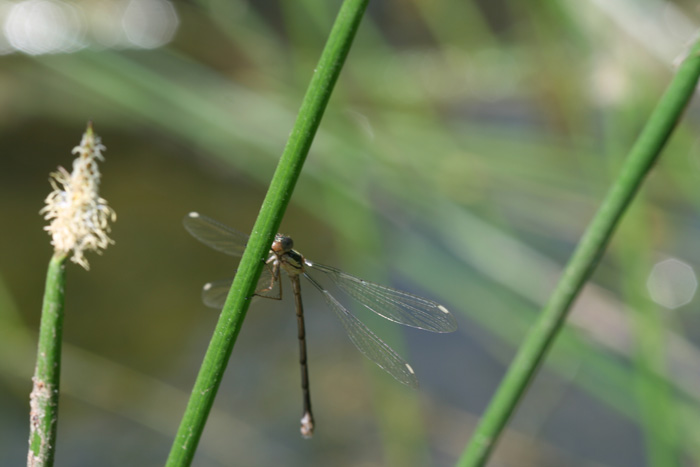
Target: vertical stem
(268, 221)
(639, 162)
(655, 401)
(43, 400)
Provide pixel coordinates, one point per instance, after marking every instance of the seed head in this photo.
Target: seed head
(79, 217)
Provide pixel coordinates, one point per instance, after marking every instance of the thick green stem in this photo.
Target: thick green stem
(43, 400)
(639, 162)
(267, 224)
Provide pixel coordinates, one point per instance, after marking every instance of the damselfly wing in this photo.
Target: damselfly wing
(394, 305)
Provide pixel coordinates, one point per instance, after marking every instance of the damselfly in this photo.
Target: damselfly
(394, 305)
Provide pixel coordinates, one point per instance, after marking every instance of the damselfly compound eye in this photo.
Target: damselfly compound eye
(282, 244)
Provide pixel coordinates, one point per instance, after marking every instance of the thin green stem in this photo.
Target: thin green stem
(44, 397)
(639, 162)
(266, 225)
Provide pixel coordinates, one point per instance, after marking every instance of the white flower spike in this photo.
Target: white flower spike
(79, 217)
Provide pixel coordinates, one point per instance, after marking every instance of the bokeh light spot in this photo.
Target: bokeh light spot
(38, 27)
(44, 26)
(672, 283)
(149, 23)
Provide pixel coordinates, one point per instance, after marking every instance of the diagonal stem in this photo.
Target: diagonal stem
(269, 219)
(638, 163)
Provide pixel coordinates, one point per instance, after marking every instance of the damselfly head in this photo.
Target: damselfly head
(282, 244)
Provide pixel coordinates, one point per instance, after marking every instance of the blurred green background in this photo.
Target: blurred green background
(465, 148)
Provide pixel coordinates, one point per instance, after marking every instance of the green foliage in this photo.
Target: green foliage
(463, 154)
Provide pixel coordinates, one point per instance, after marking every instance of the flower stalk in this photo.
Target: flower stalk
(79, 222)
(43, 415)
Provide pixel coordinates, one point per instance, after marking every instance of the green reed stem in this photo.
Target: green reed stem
(266, 225)
(639, 162)
(43, 400)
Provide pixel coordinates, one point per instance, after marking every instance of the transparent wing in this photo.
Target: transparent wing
(392, 304)
(215, 235)
(368, 343)
(214, 293)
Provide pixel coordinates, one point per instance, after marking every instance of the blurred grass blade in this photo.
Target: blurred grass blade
(654, 394)
(640, 160)
(266, 225)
